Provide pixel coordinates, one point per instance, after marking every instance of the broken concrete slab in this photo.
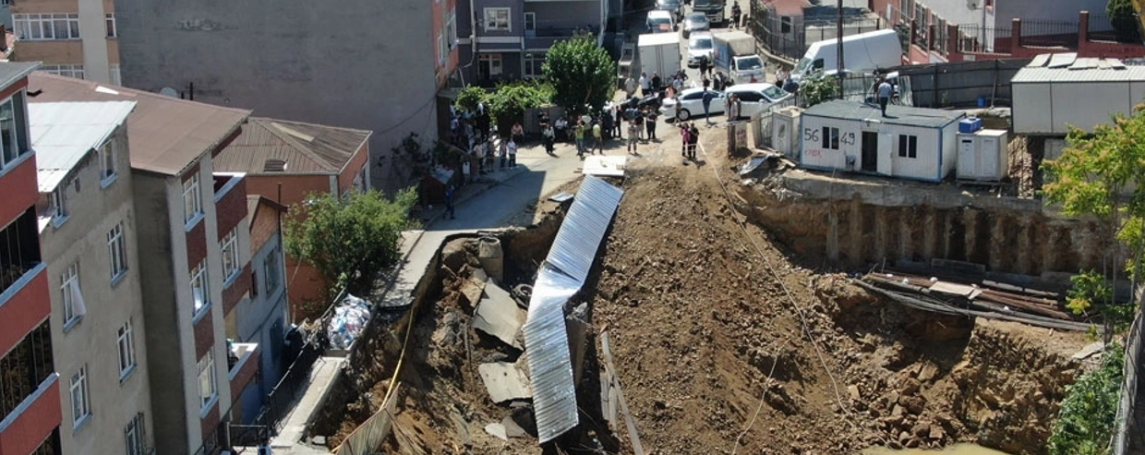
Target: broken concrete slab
(473, 289)
(1089, 350)
(498, 431)
(504, 381)
(512, 430)
(498, 315)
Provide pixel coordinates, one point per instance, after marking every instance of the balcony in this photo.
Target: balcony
(544, 37)
(29, 393)
(242, 361)
(24, 299)
(230, 201)
(18, 178)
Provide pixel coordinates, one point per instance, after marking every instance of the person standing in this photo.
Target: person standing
(693, 140)
(656, 82)
(885, 90)
(580, 129)
(617, 120)
(548, 136)
(736, 14)
(449, 202)
(633, 136)
(733, 108)
(639, 119)
(465, 168)
(706, 99)
(650, 123)
(512, 149)
(518, 133)
(707, 83)
(685, 138)
(630, 86)
(597, 138)
(645, 84)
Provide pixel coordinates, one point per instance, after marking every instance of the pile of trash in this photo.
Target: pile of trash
(349, 318)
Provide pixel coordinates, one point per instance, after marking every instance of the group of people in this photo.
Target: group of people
(591, 132)
(690, 137)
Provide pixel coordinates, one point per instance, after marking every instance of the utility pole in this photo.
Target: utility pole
(839, 45)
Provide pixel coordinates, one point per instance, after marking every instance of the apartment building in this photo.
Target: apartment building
(74, 38)
(508, 39)
(194, 257)
(87, 233)
(29, 384)
(285, 162)
(445, 41)
(364, 64)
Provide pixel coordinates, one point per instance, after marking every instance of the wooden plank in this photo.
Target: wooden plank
(637, 447)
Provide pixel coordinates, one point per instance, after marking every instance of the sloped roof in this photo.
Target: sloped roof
(896, 115)
(1068, 67)
(165, 134)
(64, 133)
(306, 148)
(10, 72)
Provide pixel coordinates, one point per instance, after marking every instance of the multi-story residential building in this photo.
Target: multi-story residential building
(87, 230)
(363, 64)
(445, 41)
(29, 385)
(194, 257)
(75, 38)
(286, 161)
(508, 39)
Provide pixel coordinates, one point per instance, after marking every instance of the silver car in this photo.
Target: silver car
(696, 22)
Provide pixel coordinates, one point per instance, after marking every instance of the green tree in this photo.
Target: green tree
(348, 239)
(818, 88)
(1088, 413)
(1124, 20)
(581, 73)
(507, 104)
(470, 97)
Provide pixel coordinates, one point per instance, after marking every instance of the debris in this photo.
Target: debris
(604, 166)
(578, 338)
(497, 430)
(754, 163)
(637, 448)
(561, 197)
(512, 430)
(499, 315)
(1089, 350)
(504, 381)
(350, 317)
(473, 288)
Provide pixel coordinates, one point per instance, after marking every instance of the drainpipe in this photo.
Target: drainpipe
(473, 28)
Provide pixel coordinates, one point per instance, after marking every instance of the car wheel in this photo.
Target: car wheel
(683, 115)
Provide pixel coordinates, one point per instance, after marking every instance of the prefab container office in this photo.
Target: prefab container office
(1056, 91)
(912, 143)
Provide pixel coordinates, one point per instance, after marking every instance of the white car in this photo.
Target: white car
(690, 103)
(699, 45)
(754, 98)
(660, 21)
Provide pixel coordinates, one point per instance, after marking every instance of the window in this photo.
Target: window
(9, 133)
(534, 64)
(230, 255)
(749, 96)
(785, 24)
(106, 154)
(908, 146)
(904, 11)
(489, 65)
(58, 204)
(530, 21)
(192, 200)
(73, 71)
(135, 435)
(116, 79)
(206, 379)
(110, 21)
(270, 272)
(37, 27)
(71, 296)
(117, 248)
(126, 342)
(497, 20)
(200, 288)
(830, 138)
(442, 51)
(81, 402)
(451, 27)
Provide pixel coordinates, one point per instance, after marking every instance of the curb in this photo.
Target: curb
(461, 200)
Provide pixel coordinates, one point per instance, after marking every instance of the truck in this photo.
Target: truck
(862, 53)
(714, 9)
(658, 53)
(734, 52)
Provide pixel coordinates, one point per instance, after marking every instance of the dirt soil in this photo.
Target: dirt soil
(706, 314)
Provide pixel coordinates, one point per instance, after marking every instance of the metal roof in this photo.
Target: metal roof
(64, 133)
(896, 115)
(10, 72)
(166, 135)
(304, 147)
(1067, 67)
(561, 276)
(655, 39)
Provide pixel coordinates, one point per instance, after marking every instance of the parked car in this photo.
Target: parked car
(696, 22)
(699, 45)
(754, 98)
(660, 21)
(675, 6)
(690, 103)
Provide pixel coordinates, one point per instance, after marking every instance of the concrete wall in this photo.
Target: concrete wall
(258, 317)
(94, 50)
(1054, 10)
(93, 339)
(298, 60)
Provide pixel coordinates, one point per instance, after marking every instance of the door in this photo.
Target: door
(967, 165)
(988, 165)
(870, 151)
(883, 164)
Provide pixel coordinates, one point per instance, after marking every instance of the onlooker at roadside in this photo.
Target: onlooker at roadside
(650, 123)
(693, 139)
(449, 202)
(639, 118)
(656, 82)
(633, 136)
(504, 152)
(580, 130)
(630, 87)
(512, 149)
(597, 138)
(518, 133)
(548, 136)
(645, 84)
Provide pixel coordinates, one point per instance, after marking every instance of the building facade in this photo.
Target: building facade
(75, 38)
(507, 39)
(87, 229)
(30, 392)
(194, 254)
(363, 64)
(445, 41)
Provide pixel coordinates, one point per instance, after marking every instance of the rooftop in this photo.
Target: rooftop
(64, 133)
(166, 135)
(11, 72)
(896, 115)
(1067, 67)
(298, 148)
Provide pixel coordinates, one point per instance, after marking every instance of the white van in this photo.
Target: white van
(660, 21)
(862, 53)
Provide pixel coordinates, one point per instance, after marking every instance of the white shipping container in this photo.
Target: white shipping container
(1056, 91)
(983, 156)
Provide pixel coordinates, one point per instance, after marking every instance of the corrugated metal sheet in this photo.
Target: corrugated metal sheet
(562, 275)
(64, 133)
(305, 147)
(1069, 68)
(896, 115)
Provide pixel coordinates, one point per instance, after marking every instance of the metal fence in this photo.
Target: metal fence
(790, 36)
(1129, 436)
(960, 84)
(369, 436)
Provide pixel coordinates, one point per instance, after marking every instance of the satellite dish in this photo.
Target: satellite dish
(168, 91)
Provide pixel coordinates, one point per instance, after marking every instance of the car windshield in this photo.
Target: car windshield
(668, 4)
(697, 17)
(749, 63)
(774, 92)
(700, 3)
(802, 66)
(659, 24)
(700, 43)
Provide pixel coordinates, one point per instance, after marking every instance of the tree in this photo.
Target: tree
(509, 102)
(818, 88)
(470, 97)
(348, 239)
(581, 73)
(1089, 409)
(1124, 20)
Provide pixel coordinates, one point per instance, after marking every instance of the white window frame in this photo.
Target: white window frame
(192, 200)
(38, 27)
(200, 289)
(72, 71)
(208, 388)
(830, 138)
(11, 152)
(529, 61)
(442, 50)
(107, 162)
(58, 204)
(81, 400)
(495, 24)
(530, 21)
(135, 435)
(910, 148)
(451, 28)
(230, 254)
(125, 342)
(117, 250)
(71, 275)
(116, 78)
(112, 28)
(496, 64)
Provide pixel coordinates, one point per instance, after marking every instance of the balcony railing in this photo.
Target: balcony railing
(24, 368)
(19, 249)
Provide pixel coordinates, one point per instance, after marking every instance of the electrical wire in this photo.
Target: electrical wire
(762, 398)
